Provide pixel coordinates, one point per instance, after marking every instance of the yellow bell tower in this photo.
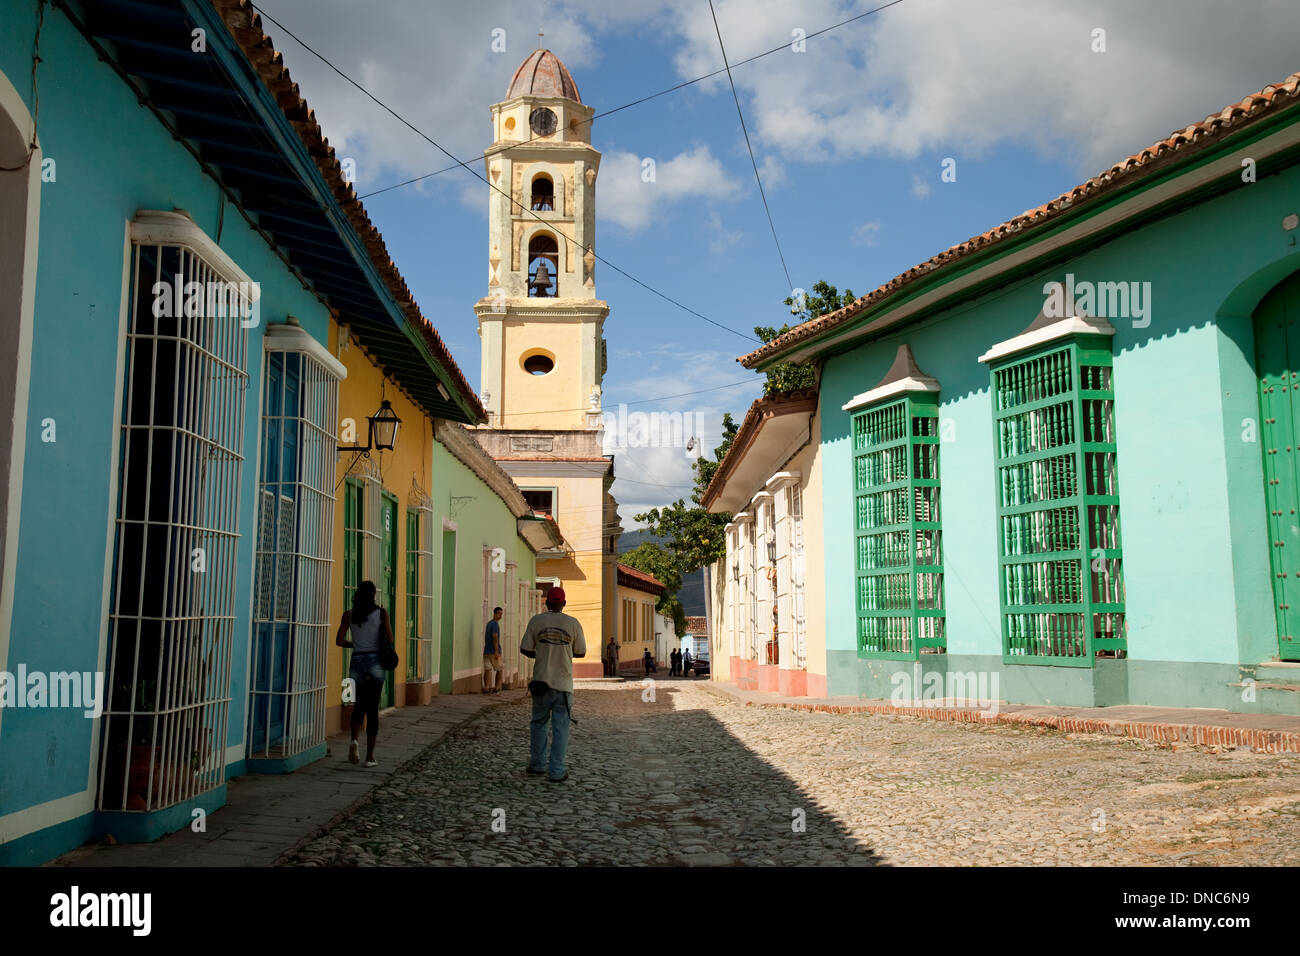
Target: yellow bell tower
(541, 334)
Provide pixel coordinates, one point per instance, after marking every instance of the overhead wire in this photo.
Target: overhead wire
(483, 179)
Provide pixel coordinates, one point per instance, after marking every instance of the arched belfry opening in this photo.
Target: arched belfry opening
(543, 196)
(543, 266)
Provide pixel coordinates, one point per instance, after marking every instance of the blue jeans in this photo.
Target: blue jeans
(555, 705)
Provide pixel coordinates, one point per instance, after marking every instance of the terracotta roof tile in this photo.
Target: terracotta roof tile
(246, 27)
(761, 409)
(543, 74)
(631, 577)
(1123, 173)
(697, 624)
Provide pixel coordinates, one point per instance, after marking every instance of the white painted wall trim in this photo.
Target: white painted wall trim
(291, 337)
(1070, 325)
(909, 384)
(155, 227)
(11, 103)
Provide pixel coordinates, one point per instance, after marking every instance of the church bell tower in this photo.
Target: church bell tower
(541, 331)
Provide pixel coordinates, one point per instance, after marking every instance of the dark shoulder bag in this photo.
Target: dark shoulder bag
(387, 652)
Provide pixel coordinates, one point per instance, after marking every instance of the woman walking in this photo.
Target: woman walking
(369, 626)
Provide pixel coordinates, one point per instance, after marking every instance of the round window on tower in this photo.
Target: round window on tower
(537, 361)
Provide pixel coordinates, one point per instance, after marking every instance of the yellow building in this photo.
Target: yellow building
(637, 595)
(541, 330)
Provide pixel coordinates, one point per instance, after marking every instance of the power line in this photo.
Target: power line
(753, 162)
(429, 139)
(644, 99)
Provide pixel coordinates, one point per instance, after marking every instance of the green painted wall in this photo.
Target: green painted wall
(483, 521)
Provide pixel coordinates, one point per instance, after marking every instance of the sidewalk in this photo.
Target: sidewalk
(267, 815)
(1266, 733)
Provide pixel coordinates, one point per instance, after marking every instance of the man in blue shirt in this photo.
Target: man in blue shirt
(492, 654)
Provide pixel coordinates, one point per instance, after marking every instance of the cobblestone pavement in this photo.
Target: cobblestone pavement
(694, 778)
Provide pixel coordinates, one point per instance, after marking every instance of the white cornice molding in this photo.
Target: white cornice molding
(898, 387)
(156, 227)
(760, 497)
(781, 479)
(290, 337)
(742, 517)
(567, 309)
(1070, 325)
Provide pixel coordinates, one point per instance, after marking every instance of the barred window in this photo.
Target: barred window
(294, 546)
(900, 599)
(1060, 562)
(181, 446)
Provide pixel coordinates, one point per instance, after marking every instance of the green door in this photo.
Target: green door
(1277, 361)
(447, 615)
(387, 583)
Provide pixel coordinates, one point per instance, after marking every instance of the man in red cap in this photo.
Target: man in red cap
(552, 639)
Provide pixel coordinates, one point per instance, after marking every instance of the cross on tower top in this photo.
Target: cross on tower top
(540, 34)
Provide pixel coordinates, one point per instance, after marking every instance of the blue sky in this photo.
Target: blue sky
(849, 135)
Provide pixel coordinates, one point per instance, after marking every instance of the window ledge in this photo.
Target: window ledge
(1070, 325)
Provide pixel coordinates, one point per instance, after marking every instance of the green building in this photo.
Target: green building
(1060, 459)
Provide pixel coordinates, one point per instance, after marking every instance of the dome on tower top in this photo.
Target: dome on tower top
(542, 74)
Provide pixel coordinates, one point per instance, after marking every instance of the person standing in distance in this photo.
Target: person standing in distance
(552, 639)
(492, 666)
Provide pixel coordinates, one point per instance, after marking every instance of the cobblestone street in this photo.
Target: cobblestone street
(697, 778)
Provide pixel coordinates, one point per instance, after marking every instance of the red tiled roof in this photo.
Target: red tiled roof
(697, 625)
(246, 27)
(1152, 159)
(629, 576)
(543, 74)
(761, 410)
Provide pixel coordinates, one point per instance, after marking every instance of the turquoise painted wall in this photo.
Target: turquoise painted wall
(483, 521)
(1196, 561)
(113, 157)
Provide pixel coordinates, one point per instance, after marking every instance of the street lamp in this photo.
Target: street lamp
(381, 433)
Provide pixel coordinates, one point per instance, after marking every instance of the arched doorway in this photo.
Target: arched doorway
(1277, 363)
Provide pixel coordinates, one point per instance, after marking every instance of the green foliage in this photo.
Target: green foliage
(652, 559)
(790, 376)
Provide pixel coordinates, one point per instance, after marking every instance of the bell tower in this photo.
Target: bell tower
(541, 331)
(541, 325)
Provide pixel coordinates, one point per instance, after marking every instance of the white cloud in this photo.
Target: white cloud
(920, 187)
(866, 234)
(968, 76)
(633, 193)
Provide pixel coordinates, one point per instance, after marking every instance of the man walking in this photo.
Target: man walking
(552, 639)
(611, 659)
(492, 654)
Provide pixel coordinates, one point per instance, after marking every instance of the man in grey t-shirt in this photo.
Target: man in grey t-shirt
(552, 639)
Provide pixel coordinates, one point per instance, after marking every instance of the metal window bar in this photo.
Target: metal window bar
(900, 606)
(361, 541)
(295, 556)
(419, 586)
(794, 508)
(175, 537)
(1060, 559)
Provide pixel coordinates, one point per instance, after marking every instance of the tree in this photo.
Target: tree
(789, 376)
(696, 538)
(652, 559)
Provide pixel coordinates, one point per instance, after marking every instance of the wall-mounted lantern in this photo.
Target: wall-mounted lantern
(381, 433)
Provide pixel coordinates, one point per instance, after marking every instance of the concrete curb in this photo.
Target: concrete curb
(1206, 735)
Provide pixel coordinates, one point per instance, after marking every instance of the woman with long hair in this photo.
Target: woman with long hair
(369, 625)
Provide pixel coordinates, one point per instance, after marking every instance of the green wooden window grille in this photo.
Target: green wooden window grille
(1060, 565)
(897, 528)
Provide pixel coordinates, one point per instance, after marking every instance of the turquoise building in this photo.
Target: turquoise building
(177, 242)
(1060, 459)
